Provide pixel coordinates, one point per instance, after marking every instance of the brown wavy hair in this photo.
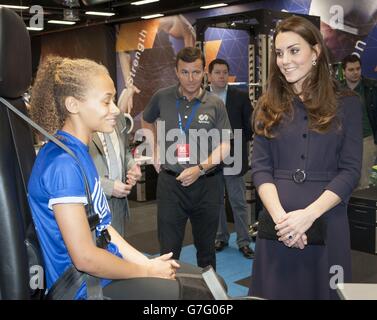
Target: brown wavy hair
(58, 78)
(319, 89)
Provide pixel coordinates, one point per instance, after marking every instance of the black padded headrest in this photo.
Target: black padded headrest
(15, 55)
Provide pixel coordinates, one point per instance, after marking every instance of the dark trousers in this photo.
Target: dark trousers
(201, 203)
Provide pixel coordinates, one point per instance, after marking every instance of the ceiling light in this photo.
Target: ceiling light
(13, 7)
(157, 15)
(61, 22)
(211, 6)
(98, 13)
(139, 3)
(34, 28)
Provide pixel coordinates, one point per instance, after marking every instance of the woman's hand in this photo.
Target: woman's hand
(163, 267)
(300, 244)
(292, 227)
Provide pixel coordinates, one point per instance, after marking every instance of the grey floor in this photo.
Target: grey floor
(364, 267)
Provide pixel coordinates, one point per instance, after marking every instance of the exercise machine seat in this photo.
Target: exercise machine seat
(20, 252)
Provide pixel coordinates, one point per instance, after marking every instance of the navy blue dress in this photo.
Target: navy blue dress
(280, 272)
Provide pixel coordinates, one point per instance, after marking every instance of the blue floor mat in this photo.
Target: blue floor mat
(231, 265)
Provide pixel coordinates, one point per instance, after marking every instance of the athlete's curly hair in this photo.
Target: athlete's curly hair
(58, 78)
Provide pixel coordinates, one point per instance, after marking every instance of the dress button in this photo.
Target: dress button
(305, 118)
(304, 135)
(302, 157)
(185, 117)
(187, 107)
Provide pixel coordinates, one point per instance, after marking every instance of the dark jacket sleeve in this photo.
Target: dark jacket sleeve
(350, 157)
(370, 87)
(222, 119)
(246, 117)
(261, 161)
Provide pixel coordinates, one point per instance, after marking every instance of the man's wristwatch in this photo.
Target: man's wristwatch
(202, 170)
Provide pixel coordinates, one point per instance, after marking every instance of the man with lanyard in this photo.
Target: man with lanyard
(367, 91)
(239, 109)
(193, 139)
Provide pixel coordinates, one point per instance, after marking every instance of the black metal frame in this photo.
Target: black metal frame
(261, 21)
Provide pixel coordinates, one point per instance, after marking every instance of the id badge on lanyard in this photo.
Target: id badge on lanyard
(183, 152)
(183, 149)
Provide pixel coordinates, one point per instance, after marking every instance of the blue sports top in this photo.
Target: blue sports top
(55, 179)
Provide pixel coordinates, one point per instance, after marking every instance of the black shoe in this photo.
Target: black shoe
(247, 252)
(220, 245)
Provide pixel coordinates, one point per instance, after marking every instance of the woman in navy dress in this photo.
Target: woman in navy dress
(306, 162)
